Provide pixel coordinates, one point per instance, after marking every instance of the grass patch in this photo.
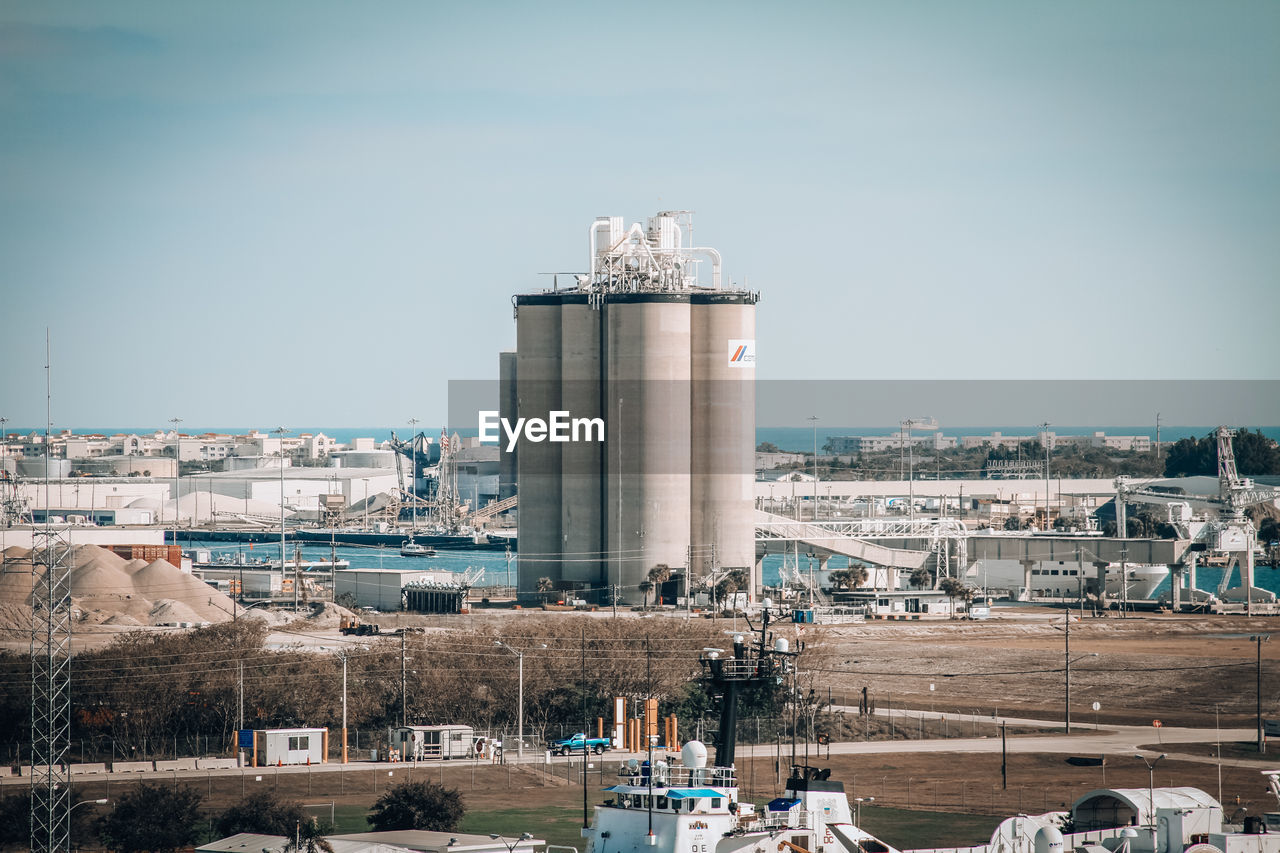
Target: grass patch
(350, 817)
(906, 829)
(554, 824)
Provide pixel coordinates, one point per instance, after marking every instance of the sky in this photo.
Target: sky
(316, 213)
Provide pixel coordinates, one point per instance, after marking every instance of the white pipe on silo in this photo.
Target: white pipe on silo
(715, 263)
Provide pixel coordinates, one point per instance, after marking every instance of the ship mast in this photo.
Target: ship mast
(750, 665)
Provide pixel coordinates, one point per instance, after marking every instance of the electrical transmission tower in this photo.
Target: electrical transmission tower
(50, 692)
(50, 668)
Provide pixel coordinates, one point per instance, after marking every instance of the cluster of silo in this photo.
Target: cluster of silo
(640, 343)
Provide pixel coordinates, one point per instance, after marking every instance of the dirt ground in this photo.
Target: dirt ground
(1172, 668)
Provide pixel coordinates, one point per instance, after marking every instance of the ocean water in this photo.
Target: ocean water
(498, 571)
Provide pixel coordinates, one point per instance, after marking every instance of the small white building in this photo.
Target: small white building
(427, 743)
(904, 603)
(381, 589)
(275, 747)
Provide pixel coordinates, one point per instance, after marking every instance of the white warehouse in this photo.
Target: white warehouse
(381, 588)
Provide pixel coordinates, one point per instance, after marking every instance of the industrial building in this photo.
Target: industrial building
(382, 589)
(668, 363)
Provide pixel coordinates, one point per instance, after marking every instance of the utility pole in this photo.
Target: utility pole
(1066, 656)
(177, 472)
(403, 679)
(1262, 741)
(813, 419)
(1044, 435)
(520, 703)
(343, 655)
(281, 432)
(1004, 758)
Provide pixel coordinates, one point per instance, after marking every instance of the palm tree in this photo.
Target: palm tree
(953, 588)
(920, 577)
(645, 587)
(850, 578)
(659, 575)
(730, 583)
(311, 838)
(545, 586)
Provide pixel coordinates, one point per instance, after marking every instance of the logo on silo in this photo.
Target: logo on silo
(742, 353)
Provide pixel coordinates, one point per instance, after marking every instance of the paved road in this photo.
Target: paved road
(1108, 740)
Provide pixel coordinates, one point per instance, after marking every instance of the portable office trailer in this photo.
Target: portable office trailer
(273, 747)
(423, 743)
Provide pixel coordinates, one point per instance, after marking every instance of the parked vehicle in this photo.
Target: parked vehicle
(580, 743)
(360, 629)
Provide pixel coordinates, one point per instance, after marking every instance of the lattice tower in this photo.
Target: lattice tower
(50, 691)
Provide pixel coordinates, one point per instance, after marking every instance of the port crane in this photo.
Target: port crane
(1230, 533)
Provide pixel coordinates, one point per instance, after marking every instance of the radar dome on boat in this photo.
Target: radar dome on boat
(694, 754)
(1048, 840)
(780, 644)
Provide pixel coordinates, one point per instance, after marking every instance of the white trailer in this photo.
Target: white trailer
(428, 743)
(276, 747)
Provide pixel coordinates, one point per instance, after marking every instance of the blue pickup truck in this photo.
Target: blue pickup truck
(580, 743)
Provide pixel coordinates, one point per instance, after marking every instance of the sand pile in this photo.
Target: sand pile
(110, 590)
(328, 615)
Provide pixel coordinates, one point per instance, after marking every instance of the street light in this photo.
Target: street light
(100, 802)
(520, 707)
(511, 845)
(859, 801)
(1151, 793)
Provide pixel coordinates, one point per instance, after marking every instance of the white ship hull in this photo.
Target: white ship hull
(1053, 579)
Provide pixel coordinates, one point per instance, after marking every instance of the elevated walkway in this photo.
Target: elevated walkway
(823, 541)
(1074, 549)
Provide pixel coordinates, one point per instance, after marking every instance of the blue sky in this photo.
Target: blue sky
(286, 213)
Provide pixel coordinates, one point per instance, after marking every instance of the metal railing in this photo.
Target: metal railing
(680, 777)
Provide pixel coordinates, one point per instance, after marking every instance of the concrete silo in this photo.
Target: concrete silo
(666, 361)
(538, 474)
(647, 389)
(722, 418)
(507, 408)
(581, 462)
